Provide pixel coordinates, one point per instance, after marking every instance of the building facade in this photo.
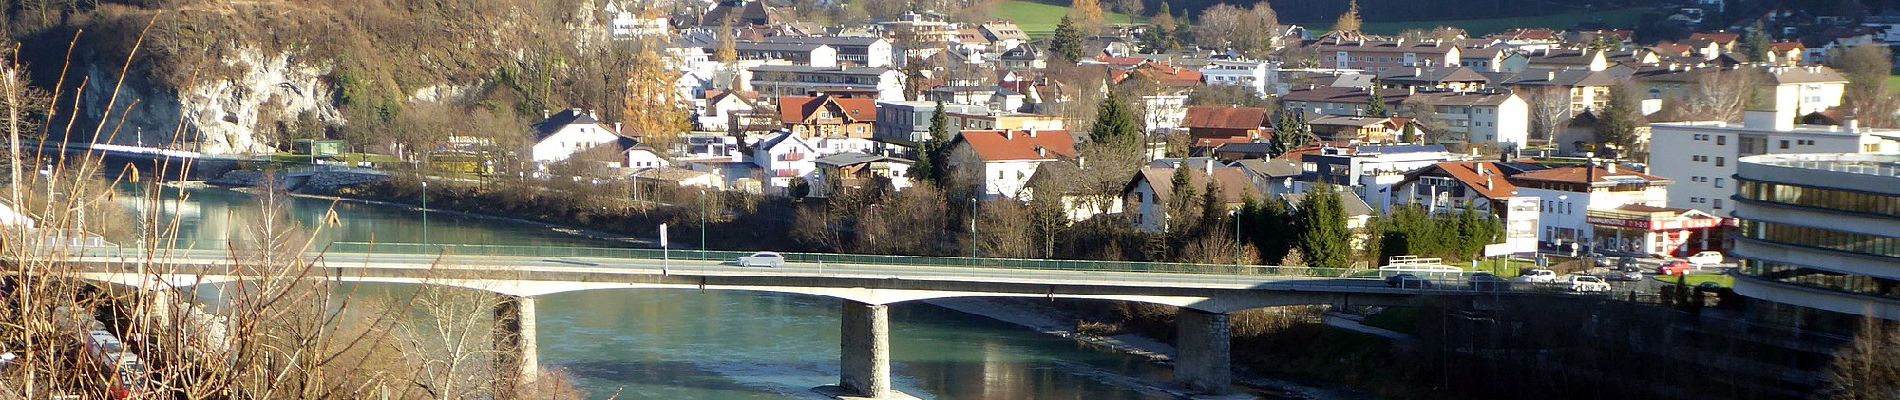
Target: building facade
(1819, 243)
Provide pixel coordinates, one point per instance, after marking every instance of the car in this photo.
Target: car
(1675, 268)
(1538, 276)
(1706, 258)
(1586, 284)
(1408, 281)
(762, 259)
(1623, 274)
(1487, 282)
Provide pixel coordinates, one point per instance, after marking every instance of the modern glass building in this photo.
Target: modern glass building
(1820, 238)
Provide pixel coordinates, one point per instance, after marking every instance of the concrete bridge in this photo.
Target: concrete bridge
(1206, 294)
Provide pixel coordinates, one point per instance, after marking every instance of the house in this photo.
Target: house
(850, 51)
(828, 116)
(1450, 187)
(908, 122)
(1484, 59)
(640, 156)
(1381, 55)
(1497, 117)
(1724, 41)
(1787, 53)
(723, 110)
(783, 157)
(920, 35)
(800, 53)
(1611, 209)
(1256, 75)
(1082, 192)
(775, 81)
(1243, 151)
(562, 135)
(1587, 60)
(983, 121)
(856, 170)
(1355, 130)
(1589, 90)
(1459, 79)
(1703, 156)
(1339, 100)
(1147, 196)
(1004, 34)
(1022, 57)
(1371, 170)
(1001, 162)
(1211, 126)
(701, 146)
(741, 14)
(1273, 177)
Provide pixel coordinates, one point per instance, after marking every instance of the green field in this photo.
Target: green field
(1893, 82)
(1039, 18)
(1694, 280)
(1623, 18)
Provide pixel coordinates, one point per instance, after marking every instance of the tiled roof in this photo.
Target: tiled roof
(997, 145)
(1717, 37)
(554, 123)
(1218, 117)
(1235, 186)
(1583, 175)
(798, 109)
(1492, 183)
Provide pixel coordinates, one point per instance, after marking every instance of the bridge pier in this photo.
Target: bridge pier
(517, 354)
(1203, 343)
(864, 353)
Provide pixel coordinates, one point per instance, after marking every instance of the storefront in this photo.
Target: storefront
(1656, 230)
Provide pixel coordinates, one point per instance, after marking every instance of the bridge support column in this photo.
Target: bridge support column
(517, 354)
(1202, 342)
(864, 354)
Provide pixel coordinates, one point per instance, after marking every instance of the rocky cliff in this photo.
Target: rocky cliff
(217, 115)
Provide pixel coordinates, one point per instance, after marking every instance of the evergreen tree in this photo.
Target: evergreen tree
(1755, 43)
(1164, 29)
(924, 171)
(1617, 124)
(1180, 201)
(913, 80)
(1324, 239)
(1375, 102)
(1213, 206)
(1348, 23)
(1266, 225)
(1115, 122)
(1411, 134)
(1067, 41)
(1290, 133)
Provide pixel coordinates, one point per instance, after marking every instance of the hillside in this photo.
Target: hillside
(1039, 18)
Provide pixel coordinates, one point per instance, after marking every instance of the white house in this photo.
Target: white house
(1163, 113)
(1496, 117)
(1702, 156)
(1612, 209)
(1256, 75)
(774, 81)
(1002, 161)
(784, 157)
(562, 135)
(720, 108)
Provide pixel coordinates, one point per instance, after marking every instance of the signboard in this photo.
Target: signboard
(1671, 224)
(663, 235)
(1618, 222)
(1520, 225)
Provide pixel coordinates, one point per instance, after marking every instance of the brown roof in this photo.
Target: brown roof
(1020, 145)
(798, 109)
(1718, 37)
(1783, 47)
(1218, 117)
(1234, 183)
(1582, 175)
(1492, 184)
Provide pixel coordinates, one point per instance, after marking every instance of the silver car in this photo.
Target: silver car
(762, 259)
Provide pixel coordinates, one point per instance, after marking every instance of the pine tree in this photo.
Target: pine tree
(1290, 133)
(932, 160)
(1115, 122)
(1180, 200)
(1375, 102)
(913, 80)
(1324, 239)
(924, 171)
(1617, 123)
(1348, 23)
(1067, 41)
(1411, 134)
(1755, 43)
(1213, 206)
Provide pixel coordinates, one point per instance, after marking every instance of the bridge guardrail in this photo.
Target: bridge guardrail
(968, 262)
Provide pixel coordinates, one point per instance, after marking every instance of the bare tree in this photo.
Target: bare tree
(1716, 96)
(1866, 370)
(1550, 110)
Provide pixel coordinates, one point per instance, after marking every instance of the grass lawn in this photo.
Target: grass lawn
(1893, 82)
(1693, 280)
(1039, 18)
(1503, 268)
(1623, 18)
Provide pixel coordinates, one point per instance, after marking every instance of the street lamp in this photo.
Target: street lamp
(702, 223)
(973, 227)
(1236, 215)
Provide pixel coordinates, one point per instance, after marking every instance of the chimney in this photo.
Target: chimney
(1009, 134)
(1042, 152)
(616, 128)
(1209, 168)
(545, 114)
(1032, 133)
(1081, 162)
(1550, 75)
(1611, 166)
(1850, 124)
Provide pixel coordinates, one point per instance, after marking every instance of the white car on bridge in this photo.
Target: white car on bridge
(762, 259)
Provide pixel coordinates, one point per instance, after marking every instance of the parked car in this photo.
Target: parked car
(1623, 274)
(1408, 281)
(1538, 276)
(1586, 284)
(1675, 268)
(1487, 282)
(762, 259)
(1706, 258)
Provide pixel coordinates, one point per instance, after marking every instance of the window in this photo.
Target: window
(1829, 239)
(1784, 145)
(1718, 204)
(1721, 140)
(1718, 182)
(1719, 161)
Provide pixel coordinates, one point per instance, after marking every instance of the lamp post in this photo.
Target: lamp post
(702, 223)
(1236, 215)
(972, 227)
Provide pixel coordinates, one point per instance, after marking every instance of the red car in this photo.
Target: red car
(1675, 268)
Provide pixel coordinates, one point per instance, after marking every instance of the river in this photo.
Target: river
(686, 344)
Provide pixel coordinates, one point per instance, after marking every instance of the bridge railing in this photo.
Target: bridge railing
(866, 259)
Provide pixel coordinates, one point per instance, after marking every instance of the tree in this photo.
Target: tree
(1867, 96)
(1219, 27)
(1290, 132)
(1130, 8)
(1717, 95)
(1067, 41)
(931, 159)
(1865, 369)
(1213, 207)
(1115, 122)
(728, 50)
(1250, 31)
(1088, 15)
(1755, 43)
(1180, 202)
(1375, 102)
(651, 109)
(1619, 119)
(1349, 24)
(1549, 109)
(1162, 35)
(1324, 239)
(1268, 228)
(913, 80)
